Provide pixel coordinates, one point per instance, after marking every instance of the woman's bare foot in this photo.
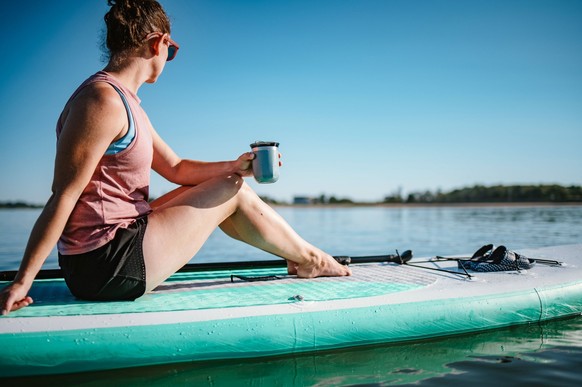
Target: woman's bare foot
(291, 267)
(326, 266)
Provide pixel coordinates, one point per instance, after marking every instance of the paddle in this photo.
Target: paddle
(407, 256)
(211, 266)
(342, 259)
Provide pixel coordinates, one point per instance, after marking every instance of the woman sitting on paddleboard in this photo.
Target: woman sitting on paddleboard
(113, 244)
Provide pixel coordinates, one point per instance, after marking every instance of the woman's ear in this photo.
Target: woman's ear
(155, 45)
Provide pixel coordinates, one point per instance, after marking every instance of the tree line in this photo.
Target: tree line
(494, 194)
(476, 194)
(19, 204)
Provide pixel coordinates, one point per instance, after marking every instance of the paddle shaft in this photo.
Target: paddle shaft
(210, 266)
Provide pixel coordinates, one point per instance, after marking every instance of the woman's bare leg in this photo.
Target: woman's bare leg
(243, 229)
(184, 219)
(228, 228)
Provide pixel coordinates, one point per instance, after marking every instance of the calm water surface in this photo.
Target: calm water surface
(368, 231)
(539, 354)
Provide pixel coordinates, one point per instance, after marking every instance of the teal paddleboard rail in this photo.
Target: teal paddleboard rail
(205, 316)
(266, 335)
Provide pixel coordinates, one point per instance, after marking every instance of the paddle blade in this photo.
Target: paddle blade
(343, 260)
(405, 256)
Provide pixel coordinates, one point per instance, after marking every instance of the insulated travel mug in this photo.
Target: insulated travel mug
(266, 161)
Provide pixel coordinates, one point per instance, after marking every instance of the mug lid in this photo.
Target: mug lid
(264, 143)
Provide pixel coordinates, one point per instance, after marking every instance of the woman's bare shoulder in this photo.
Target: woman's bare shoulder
(94, 118)
(96, 104)
(100, 94)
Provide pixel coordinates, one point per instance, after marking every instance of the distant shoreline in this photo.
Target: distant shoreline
(26, 206)
(424, 205)
(19, 206)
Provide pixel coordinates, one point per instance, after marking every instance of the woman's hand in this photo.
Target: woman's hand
(244, 164)
(14, 297)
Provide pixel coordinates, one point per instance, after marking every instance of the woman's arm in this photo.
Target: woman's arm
(193, 172)
(43, 237)
(91, 122)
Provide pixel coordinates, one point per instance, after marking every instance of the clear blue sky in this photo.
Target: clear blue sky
(364, 96)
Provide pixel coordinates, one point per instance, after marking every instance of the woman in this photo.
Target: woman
(112, 244)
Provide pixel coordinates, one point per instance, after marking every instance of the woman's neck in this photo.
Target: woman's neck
(130, 72)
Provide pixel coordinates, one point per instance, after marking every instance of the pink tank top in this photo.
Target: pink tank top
(117, 193)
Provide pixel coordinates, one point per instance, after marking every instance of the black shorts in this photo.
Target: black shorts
(113, 272)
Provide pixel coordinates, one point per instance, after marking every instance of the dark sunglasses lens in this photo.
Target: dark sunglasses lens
(172, 50)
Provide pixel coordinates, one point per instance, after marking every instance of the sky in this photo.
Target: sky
(365, 97)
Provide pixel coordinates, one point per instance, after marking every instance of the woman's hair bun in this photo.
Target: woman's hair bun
(129, 21)
(111, 3)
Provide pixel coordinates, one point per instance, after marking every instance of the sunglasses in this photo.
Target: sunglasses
(173, 47)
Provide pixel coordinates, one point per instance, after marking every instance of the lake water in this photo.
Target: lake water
(538, 354)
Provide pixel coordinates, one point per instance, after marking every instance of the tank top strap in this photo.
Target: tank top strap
(124, 141)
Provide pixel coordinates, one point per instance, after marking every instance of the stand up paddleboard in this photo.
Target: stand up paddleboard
(221, 313)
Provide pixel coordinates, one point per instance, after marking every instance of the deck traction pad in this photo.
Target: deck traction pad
(210, 290)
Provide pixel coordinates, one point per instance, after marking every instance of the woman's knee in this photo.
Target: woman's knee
(234, 186)
(231, 185)
(246, 190)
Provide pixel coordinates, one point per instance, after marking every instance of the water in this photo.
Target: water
(539, 354)
(428, 231)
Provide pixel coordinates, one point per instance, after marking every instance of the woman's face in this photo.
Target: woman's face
(166, 50)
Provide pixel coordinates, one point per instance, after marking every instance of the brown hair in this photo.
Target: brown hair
(129, 21)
